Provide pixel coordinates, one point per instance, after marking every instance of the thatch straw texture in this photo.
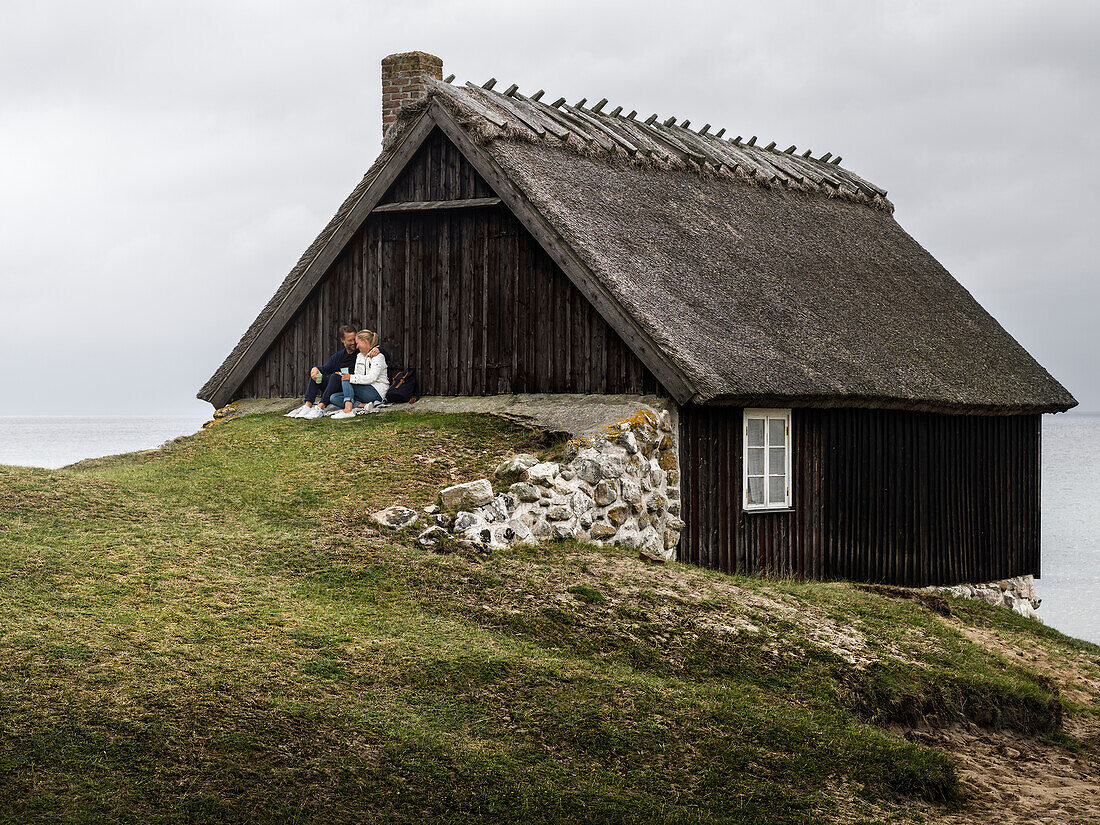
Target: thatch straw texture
(764, 294)
(766, 277)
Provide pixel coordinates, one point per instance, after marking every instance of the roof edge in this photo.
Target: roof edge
(880, 403)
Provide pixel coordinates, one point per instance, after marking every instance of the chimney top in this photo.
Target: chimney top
(403, 81)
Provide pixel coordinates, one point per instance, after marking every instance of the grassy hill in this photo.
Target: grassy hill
(214, 632)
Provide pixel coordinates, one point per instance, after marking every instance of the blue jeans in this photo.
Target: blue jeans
(330, 383)
(356, 393)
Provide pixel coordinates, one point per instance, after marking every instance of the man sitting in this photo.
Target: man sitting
(327, 376)
(367, 382)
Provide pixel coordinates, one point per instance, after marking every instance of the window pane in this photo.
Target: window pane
(777, 460)
(777, 489)
(756, 491)
(756, 461)
(776, 431)
(756, 432)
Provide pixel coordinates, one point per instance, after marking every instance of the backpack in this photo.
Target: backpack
(403, 387)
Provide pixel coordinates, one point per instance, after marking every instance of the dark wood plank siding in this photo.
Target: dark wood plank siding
(881, 496)
(466, 296)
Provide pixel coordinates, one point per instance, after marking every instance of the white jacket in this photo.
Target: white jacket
(371, 371)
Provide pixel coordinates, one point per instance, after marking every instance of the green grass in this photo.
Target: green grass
(216, 632)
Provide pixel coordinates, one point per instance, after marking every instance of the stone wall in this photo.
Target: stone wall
(620, 485)
(1016, 594)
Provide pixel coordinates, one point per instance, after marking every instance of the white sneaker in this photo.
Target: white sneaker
(342, 415)
(312, 412)
(331, 409)
(296, 412)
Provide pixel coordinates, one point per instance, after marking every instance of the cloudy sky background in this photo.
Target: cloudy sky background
(162, 166)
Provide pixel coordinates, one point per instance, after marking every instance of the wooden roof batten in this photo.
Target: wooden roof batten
(664, 140)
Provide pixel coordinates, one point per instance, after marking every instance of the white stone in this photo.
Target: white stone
(611, 466)
(1024, 608)
(559, 513)
(563, 530)
(432, 536)
(396, 516)
(524, 491)
(587, 470)
(991, 596)
(626, 539)
(631, 491)
(657, 503)
(431, 509)
(629, 442)
(499, 509)
(562, 488)
(516, 464)
(466, 521)
(580, 502)
(520, 531)
(542, 473)
(467, 496)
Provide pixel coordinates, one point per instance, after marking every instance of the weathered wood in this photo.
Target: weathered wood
(423, 206)
(637, 339)
(889, 496)
(316, 269)
(466, 296)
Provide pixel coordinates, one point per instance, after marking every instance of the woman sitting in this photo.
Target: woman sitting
(368, 381)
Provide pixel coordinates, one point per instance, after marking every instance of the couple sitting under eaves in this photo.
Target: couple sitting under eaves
(355, 379)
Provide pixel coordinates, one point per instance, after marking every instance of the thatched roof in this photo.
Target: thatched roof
(762, 276)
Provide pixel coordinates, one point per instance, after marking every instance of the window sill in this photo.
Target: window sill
(763, 511)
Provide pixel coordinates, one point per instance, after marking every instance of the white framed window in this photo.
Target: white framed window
(767, 460)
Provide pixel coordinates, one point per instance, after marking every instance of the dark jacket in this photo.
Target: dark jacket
(340, 360)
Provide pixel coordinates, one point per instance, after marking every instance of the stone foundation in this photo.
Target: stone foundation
(1016, 594)
(618, 486)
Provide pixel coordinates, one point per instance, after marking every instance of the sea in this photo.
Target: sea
(1069, 586)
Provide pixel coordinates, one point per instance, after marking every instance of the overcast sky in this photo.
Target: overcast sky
(163, 165)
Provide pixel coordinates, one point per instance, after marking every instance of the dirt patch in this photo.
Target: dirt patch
(1015, 780)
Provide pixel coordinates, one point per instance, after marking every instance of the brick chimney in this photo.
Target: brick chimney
(403, 81)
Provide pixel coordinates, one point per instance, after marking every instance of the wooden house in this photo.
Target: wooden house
(845, 407)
